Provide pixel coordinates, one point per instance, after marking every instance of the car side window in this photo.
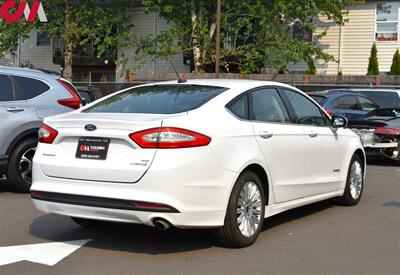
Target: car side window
(28, 88)
(347, 102)
(239, 107)
(267, 106)
(6, 91)
(306, 111)
(366, 104)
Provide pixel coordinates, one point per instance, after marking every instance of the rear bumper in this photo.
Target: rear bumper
(180, 220)
(198, 189)
(3, 165)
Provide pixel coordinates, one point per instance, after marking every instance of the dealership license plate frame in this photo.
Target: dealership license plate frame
(92, 148)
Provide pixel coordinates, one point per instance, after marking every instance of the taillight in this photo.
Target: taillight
(169, 137)
(47, 134)
(329, 112)
(74, 102)
(387, 131)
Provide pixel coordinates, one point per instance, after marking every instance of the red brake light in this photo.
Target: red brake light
(169, 137)
(329, 111)
(37, 194)
(387, 131)
(47, 134)
(74, 102)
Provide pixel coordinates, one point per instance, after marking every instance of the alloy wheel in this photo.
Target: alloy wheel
(249, 209)
(356, 180)
(25, 165)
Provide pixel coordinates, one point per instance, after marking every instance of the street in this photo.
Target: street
(318, 239)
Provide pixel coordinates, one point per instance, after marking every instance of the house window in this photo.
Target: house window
(387, 21)
(42, 39)
(301, 32)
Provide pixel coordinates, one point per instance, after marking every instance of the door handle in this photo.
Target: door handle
(312, 134)
(15, 109)
(265, 134)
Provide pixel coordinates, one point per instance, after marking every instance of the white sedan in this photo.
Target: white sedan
(222, 154)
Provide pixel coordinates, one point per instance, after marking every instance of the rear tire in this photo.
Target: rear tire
(19, 170)
(245, 213)
(354, 184)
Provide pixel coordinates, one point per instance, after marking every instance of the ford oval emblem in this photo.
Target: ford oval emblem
(90, 127)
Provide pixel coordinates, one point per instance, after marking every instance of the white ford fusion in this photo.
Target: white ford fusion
(220, 154)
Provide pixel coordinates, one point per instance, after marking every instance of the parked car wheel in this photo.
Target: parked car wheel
(354, 184)
(19, 172)
(245, 213)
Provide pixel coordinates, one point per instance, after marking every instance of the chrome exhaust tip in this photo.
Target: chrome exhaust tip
(162, 224)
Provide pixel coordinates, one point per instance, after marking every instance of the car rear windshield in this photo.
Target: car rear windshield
(157, 99)
(319, 99)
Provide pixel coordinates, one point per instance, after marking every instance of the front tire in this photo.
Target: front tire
(19, 171)
(245, 213)
(354, 184)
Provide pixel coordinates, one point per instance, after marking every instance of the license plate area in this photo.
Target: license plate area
(92, 148)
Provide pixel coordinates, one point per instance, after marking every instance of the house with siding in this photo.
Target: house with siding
(371, 22)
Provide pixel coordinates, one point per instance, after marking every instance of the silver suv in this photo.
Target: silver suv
(26, 97)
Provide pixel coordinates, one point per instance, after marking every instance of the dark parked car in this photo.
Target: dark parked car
(349, 105)
(89, 94)
(382, 97)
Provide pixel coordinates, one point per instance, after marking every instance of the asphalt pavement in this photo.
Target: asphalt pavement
(322, 238)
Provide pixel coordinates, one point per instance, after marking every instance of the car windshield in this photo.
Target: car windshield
(157, 99)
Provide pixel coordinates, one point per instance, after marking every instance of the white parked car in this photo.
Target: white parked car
(220, 154)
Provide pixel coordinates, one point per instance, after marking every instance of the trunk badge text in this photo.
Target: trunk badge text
(90, 127)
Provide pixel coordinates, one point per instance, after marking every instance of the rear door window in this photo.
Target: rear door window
(28, 88)
(6, 89)
(267, 106)
(157, 99)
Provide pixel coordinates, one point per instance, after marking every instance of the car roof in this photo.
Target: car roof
(227, 83)
(28, 72)
(359, 90)
(330, 95)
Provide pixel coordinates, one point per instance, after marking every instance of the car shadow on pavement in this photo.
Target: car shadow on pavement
(147, 240)
(3, 186)
(382, 162)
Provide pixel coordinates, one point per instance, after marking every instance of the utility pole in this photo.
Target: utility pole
(218, 38)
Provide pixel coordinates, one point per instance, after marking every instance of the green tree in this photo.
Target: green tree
(76, 23)
(373, 65)
(312, 70)
(253, 32)
(395, 68)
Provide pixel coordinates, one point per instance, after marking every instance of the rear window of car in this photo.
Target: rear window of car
(28, 88)
(383, 99)
(319, 99)
(157, 99)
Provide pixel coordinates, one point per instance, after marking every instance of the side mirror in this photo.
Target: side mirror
(339, 122)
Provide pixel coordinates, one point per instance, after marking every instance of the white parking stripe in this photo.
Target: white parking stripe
(44, 253)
